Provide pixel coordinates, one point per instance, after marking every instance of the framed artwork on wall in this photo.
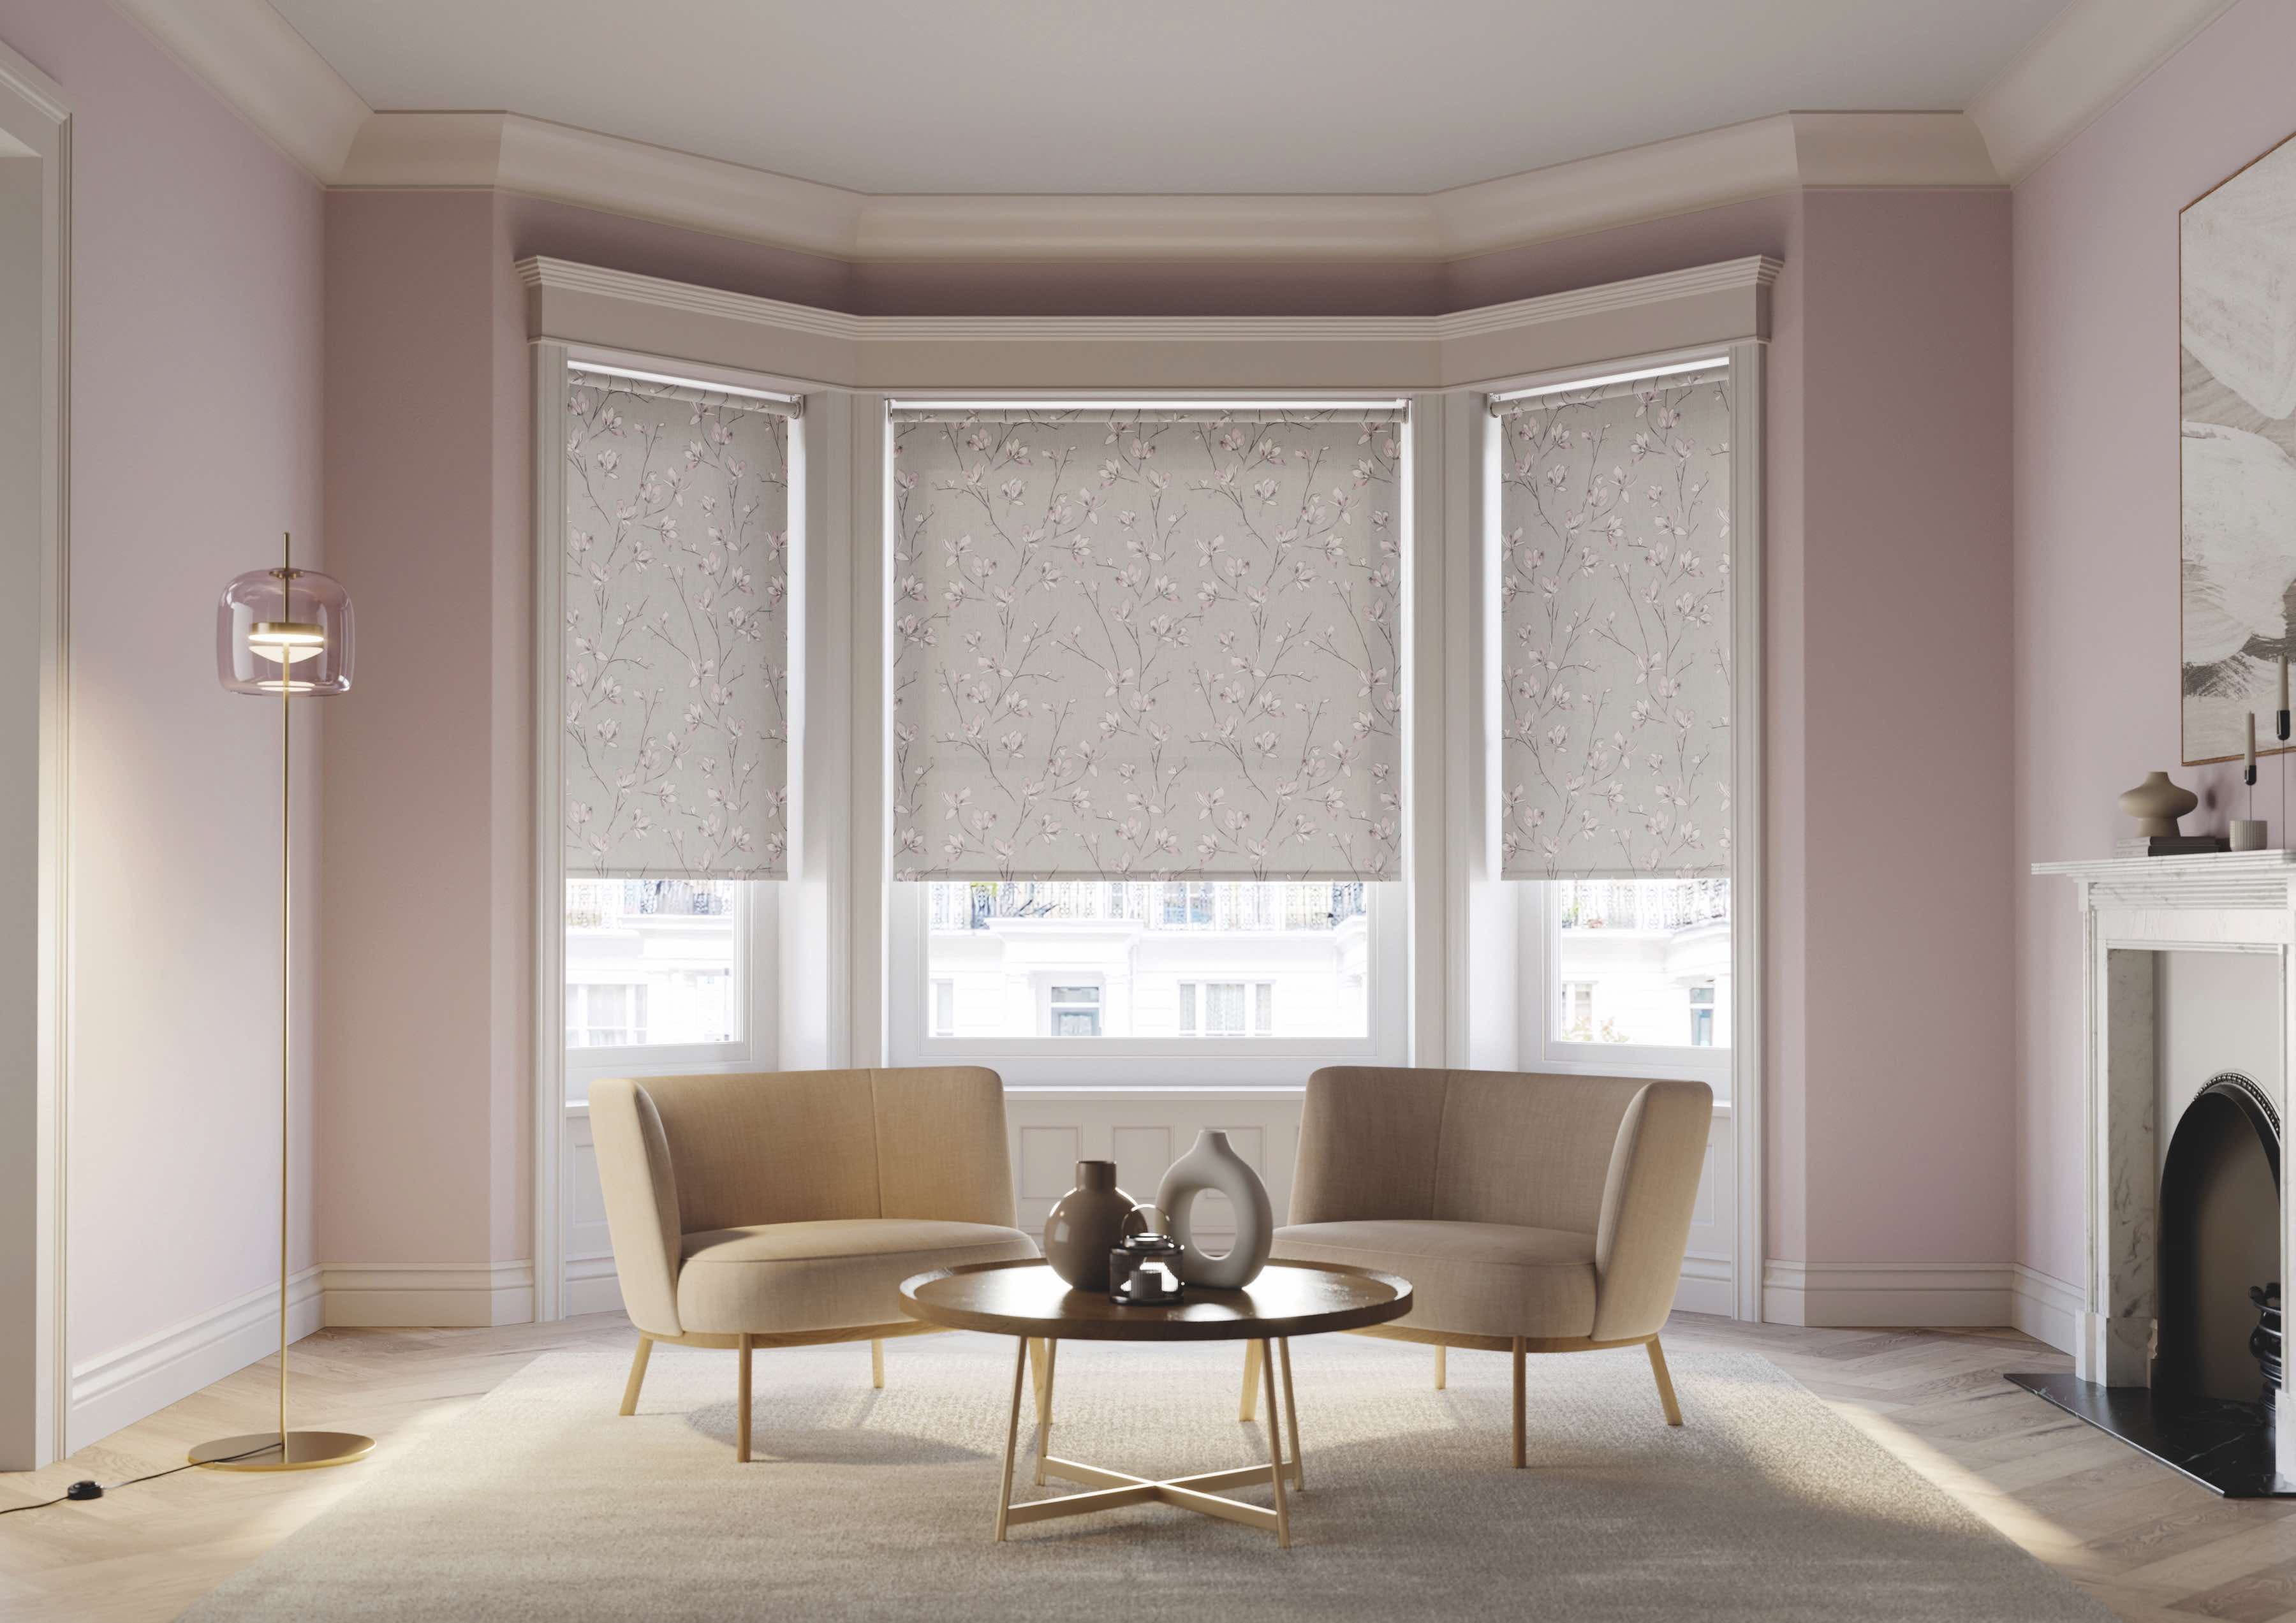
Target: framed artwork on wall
(2236, 255)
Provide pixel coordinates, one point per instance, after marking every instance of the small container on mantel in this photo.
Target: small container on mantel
(2249, 835)
(2157, 803)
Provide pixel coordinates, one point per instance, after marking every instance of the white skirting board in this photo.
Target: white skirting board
(434, 1295)
(1922, 1295)
(119, 1388)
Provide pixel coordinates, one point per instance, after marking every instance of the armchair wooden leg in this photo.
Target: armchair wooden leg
(742, 1415)
(877, 1362)
(1665, 1385)
(1518, 1403)
(638, 1375)
(1252, 1359)
(1442, 1371)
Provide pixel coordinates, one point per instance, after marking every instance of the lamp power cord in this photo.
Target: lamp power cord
(92, 1489)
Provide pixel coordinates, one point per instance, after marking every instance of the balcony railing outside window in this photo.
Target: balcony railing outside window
(1191, 905)
(1663, 905)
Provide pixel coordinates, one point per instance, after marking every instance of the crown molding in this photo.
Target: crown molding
(246, 52)
(586, 306)
(1759, 158)
(2093, 54)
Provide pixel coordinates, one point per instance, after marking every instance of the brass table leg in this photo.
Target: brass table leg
(1045, 1406)
(1292, 1416)
(877, 1362)
(1011, 1435)
(1275, 1450)
(1441, 1372)
(1252, 1352)
(1114, 1489)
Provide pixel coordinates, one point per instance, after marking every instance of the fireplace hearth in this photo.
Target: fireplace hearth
(2206, 1408)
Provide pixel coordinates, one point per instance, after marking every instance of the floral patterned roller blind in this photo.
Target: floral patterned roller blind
(1614, 514)
(676, 631)
(1147, 643)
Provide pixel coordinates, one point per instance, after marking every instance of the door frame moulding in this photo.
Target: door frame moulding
(36, 121)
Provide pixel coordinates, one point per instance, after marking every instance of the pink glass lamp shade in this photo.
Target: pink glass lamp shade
(284, 631)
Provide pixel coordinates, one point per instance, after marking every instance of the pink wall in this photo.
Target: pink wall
(1900, 789)
(423, 1027)
(2095, 634)
(195, 438)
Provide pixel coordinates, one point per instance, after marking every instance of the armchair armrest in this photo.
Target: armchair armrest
(1647, 1198)
(642, 1211)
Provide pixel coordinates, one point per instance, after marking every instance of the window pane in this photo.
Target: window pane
(1643, 961)
(654, 963)
(1166, 959)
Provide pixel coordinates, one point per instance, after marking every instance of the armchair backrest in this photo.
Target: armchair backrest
(1615, 1157)
(686, 1154)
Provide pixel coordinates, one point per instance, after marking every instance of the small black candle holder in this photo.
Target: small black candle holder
(1145, 1271)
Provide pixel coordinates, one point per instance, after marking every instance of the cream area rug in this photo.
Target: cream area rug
(546, 1505)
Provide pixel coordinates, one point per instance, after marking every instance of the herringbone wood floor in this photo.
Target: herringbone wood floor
(2146, 1542)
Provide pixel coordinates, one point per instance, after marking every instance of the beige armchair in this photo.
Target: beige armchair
(785, 1208)
(1530, 1213)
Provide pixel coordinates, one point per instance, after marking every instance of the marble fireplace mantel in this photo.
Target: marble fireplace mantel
(2133, 908)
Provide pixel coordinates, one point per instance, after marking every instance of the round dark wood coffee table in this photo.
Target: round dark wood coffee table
(1028, 1301)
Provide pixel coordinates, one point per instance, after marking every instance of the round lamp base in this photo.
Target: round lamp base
(260, 1451)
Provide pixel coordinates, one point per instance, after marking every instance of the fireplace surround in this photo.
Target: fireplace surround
(2181, 1227)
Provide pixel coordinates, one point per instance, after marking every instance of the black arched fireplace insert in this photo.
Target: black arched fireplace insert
(2209, 1410)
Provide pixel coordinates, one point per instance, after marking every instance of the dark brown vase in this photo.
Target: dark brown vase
(1087, 1223)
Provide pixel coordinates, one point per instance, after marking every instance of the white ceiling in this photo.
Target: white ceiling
(1163, 96)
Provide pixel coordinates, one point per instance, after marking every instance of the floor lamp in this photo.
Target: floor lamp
(283, 633)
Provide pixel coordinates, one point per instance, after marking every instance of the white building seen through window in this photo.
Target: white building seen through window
(1643, 962)
(1195, 959)
(654, 964)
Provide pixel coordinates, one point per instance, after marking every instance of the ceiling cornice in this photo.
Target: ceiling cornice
(250, 55)
(2093, 54)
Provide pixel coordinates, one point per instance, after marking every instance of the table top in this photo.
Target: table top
(1028, 1299)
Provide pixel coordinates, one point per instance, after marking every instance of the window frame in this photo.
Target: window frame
(1547, 1049)
(754, 955)
(1106, 1061)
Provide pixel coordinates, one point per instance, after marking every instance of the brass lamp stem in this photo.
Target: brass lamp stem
(286, 935)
